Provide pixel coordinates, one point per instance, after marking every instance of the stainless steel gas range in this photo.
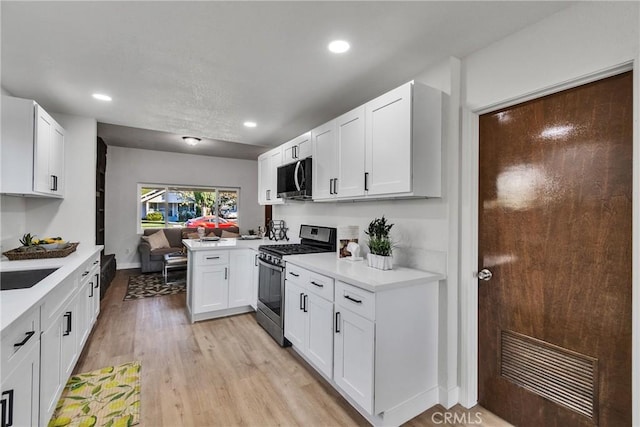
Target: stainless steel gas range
(270, 313)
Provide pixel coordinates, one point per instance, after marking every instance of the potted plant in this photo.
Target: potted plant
(380, 246)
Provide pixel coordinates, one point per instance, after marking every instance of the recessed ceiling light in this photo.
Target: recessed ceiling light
(101, 97)
(250, 124)
(339, 46)
(191, 140)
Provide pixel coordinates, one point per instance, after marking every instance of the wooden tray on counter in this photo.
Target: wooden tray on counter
(35, 252)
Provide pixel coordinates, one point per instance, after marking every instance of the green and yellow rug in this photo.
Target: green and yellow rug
(108, 397)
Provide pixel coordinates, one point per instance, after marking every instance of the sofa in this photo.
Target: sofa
(152, 260)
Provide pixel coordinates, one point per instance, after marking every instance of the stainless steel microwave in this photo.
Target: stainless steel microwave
(294, 180)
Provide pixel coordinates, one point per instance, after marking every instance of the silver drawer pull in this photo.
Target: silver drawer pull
(85, 273)
(213, 257)
(357, 301)
(320, 285)
(294, 274)
(95, 262)
(26, 338)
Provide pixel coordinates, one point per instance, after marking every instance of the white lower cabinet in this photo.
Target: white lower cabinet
(20, 369)
(308, 319)
(354, 356)
(40, 349)
(255, 278)
(378, 349)
(240, 277)
(20, 389)
(211, 288)
(221, 283)
(60, 350)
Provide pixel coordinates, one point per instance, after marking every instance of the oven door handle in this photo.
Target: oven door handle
(270, 266)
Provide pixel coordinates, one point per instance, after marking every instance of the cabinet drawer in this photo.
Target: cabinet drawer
(297, 274)
(24, 332)
(212, 258)
(355, 299)
(320, 285)
(59, 296)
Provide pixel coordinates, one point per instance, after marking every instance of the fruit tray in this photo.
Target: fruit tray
(35, 252)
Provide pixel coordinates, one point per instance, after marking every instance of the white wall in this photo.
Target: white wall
(127, 167)
(73, 217)
(579, 41)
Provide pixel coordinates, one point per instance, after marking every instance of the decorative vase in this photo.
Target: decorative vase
(380, 262)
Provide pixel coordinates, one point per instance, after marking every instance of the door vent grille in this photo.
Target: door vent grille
(562, 376)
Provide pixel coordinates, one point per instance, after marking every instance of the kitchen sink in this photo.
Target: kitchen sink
(23, 279)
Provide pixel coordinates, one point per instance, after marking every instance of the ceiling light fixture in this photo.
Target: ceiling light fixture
(250, 124)
(101, 97)
(191, 140)
(339, 46)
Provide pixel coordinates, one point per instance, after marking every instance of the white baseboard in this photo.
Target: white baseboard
(449, 398)
(128, 266)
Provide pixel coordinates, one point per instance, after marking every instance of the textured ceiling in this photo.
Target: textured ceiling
(203, 68)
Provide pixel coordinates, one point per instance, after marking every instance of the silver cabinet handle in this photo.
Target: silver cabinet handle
(484, 274)
(213, 257)
(320, 285)
(225, 273)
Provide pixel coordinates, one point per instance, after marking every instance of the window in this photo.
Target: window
(172, 206)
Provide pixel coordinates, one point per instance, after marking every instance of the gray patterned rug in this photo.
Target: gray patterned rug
(153, 285)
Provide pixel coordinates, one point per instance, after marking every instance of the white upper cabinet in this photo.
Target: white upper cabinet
(390, 147)
(297, 149)
(388, 142)
(404, 143)
(325, 165)
(268, 177)
(351, 153)
(32, 150)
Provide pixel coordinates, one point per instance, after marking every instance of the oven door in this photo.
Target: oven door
(271, 291)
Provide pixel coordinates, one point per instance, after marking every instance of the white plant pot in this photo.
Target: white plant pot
(380, 262)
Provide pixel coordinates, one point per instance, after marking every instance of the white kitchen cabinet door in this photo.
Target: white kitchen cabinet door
(297, 149)
(294, 314)
(276, 161)
(85, 310)
(59, 353)
(268, 177)
(42, 181)
(96, 297)
(240, 277)
(350, 128)
(255, 271)
(70, 337)
(52, 379)
(388, 142)
(264, 177)
(210, 288)
(353, 357)
(325, 166)
(20, 390)
(319, 333)
(56, 159)
(48, 165)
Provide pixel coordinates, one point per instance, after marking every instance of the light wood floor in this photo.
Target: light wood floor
(224, 372)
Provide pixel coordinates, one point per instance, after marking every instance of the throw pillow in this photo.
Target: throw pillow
(157, 240)
(228, 235)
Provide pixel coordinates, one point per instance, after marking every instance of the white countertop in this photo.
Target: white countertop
(359, 274)
(197, 245)
(14, 303)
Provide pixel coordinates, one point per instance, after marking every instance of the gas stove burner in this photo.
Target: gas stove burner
(292, 249)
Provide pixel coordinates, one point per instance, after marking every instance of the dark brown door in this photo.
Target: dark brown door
(555, 232)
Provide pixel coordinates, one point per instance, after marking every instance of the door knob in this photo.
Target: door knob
(484, 274)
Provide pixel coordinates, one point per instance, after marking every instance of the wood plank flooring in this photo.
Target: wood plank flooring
(223, 372)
